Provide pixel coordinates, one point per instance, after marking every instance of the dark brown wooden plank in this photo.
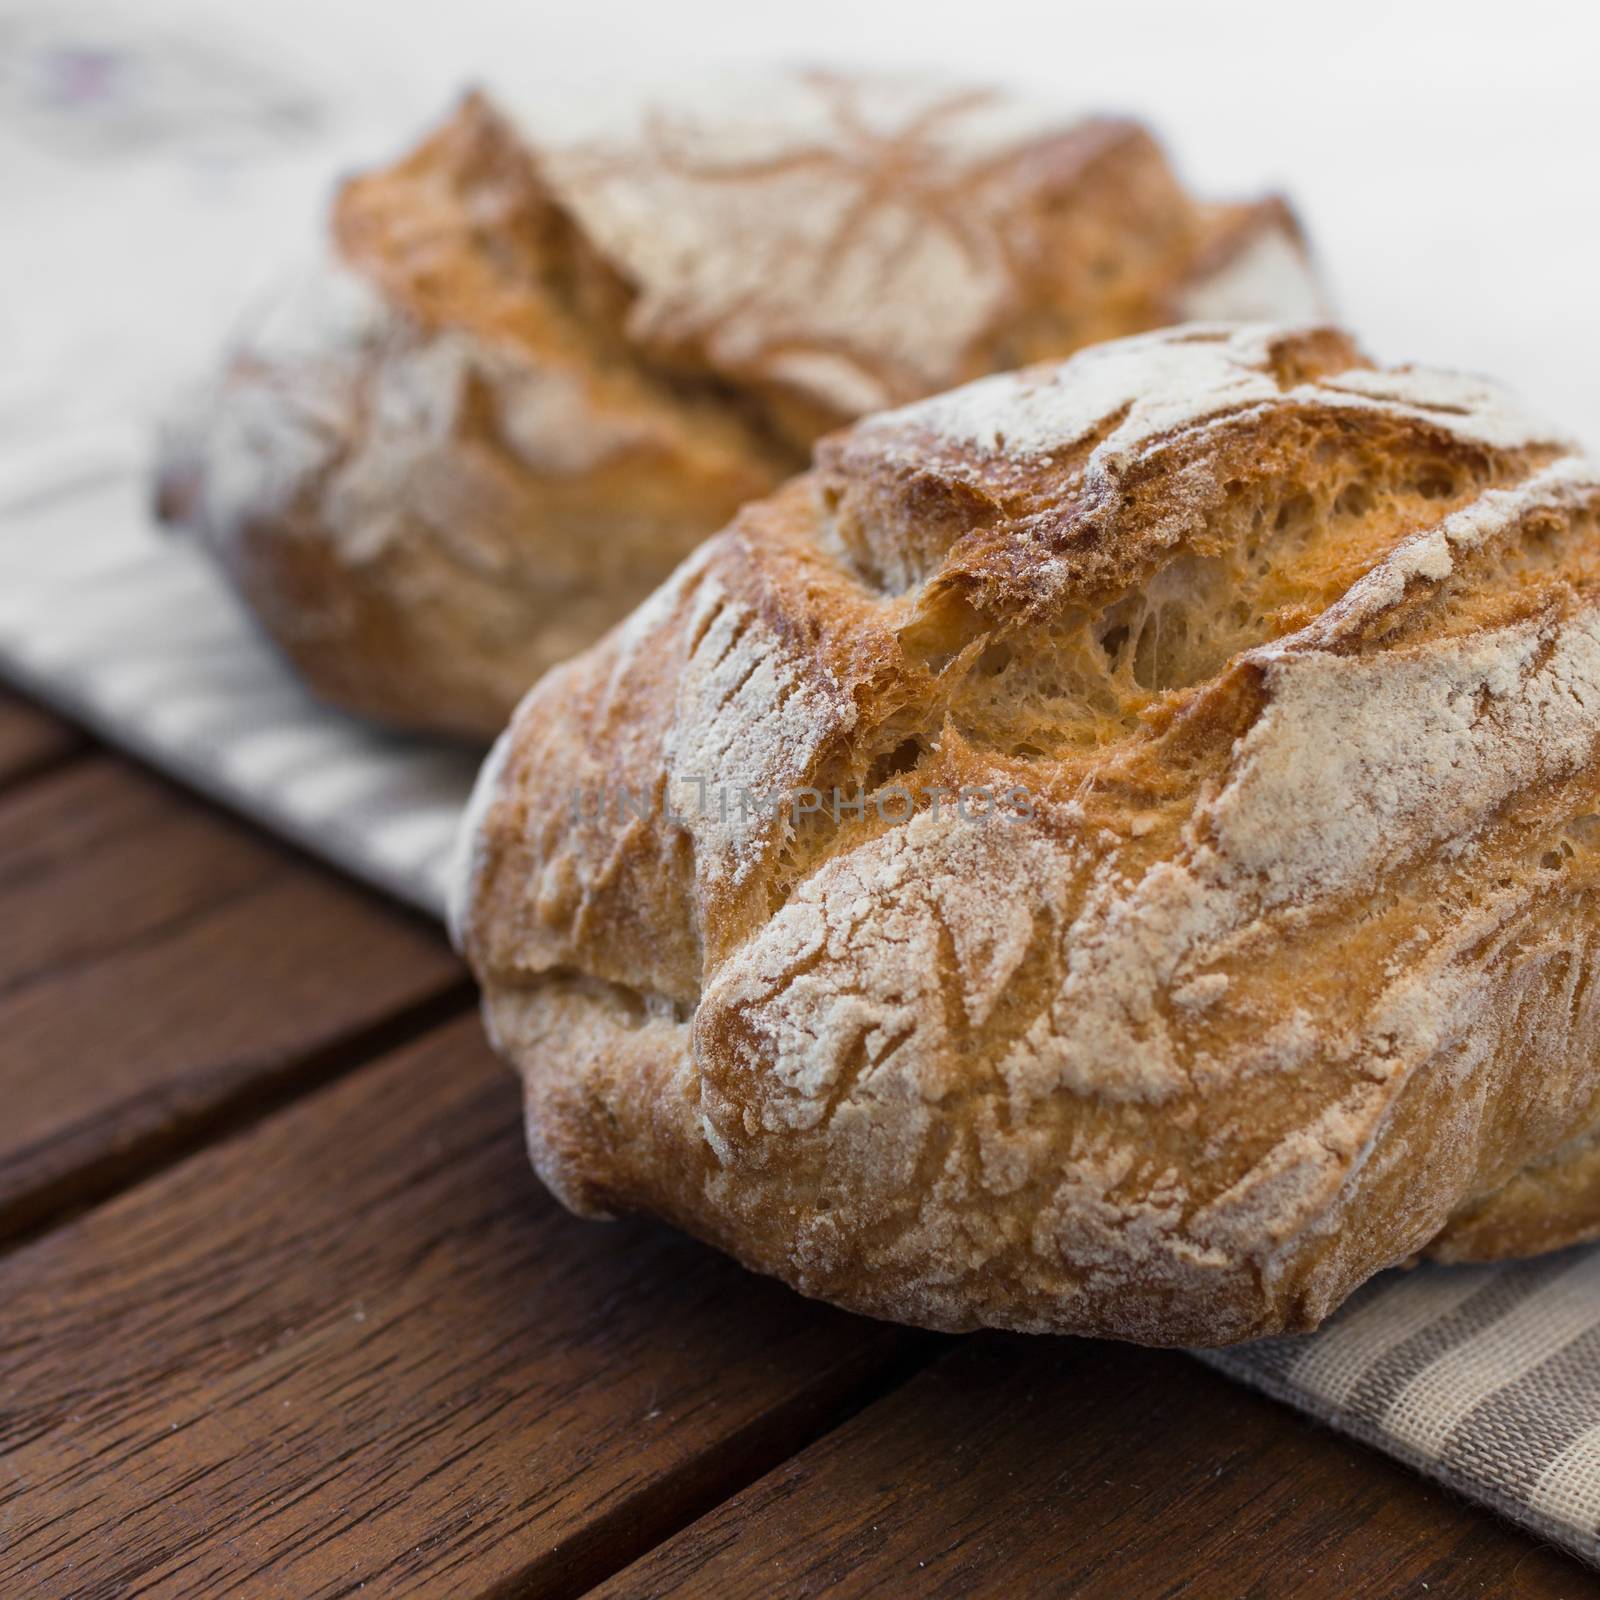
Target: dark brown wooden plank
(162, 967)
(32, 740)
(359, 1345)
(1015, 1467)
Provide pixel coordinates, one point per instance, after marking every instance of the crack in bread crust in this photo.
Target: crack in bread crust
(1284, 976)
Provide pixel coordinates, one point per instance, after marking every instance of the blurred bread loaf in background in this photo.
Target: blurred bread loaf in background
(556, 345)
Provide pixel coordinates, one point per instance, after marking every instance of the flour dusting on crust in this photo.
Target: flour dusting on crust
(1284, 973)
(1156, 385)
(862, 202)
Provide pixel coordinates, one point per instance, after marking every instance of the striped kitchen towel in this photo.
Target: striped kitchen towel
(1484, 1377)
(1487, 1378)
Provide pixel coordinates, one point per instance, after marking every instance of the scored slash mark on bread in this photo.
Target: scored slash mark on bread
(1288, 977)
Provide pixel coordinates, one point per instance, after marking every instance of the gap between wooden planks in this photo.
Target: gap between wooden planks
(165, 971)
(1018, 1466)
(32, 741)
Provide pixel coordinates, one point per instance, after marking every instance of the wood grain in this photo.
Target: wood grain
(359, 1345)
(162, 968)
(1015, 1467)
(32, 740)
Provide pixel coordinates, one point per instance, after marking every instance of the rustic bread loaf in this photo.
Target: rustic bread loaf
(555, 350)
(1261, 955)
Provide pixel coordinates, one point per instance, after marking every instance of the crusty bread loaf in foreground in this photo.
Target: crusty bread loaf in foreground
(557, 346)
(1264, 954)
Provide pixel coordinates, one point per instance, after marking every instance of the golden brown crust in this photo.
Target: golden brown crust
(1278, 973)
(544, 367)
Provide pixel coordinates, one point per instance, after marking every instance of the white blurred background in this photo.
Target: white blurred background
(160, 159)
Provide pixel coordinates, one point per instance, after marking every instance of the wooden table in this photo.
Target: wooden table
(283, 1310)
